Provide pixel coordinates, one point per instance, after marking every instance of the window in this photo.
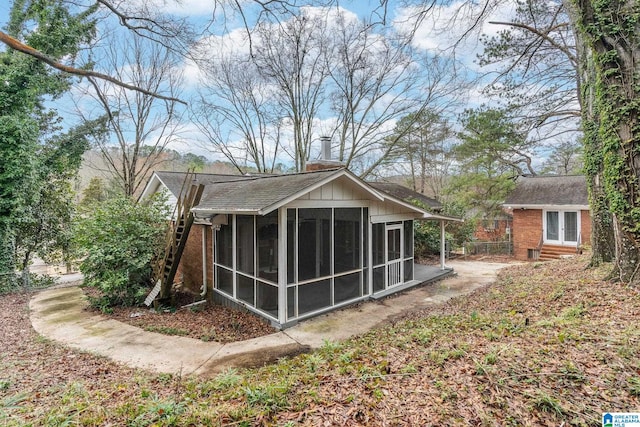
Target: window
(267, 298)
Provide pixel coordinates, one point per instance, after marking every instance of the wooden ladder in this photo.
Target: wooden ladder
(177, 236)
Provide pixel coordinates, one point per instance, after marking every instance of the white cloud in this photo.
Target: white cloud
(452, 28)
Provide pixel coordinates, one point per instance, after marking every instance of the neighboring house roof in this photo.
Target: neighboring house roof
(568, 191)
(406, 194)
(262, 194)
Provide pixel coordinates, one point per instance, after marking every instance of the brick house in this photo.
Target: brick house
(288, 247)
(493, 228)
(550, 216)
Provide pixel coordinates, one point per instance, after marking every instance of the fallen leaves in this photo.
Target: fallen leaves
(546, 345)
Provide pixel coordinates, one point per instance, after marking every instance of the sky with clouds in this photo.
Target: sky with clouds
(438, 33)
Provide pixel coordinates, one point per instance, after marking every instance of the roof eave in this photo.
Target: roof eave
(207, 211)
(545, 206)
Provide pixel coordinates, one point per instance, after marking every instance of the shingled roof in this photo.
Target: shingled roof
(174, 180)
(564, 190)
(403, 193)
(260, 194)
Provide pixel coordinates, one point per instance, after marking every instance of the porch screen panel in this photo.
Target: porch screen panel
(246, 289)
(377, 240)
(314, 243)
(314, 296)
(408, 239)
(571, 226)
(552, 226)
(244, 241)
(267, 246)
(224, 280)
(224, 244)
(347, 287)
(347, 239)
(291, 302)
(291, 245)
(267, 298)
(408, 270)
(365, 237)
(378, 279)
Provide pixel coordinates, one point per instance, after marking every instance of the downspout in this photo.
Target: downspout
(442, 245)
(204, 261)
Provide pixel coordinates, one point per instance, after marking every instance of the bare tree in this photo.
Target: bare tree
(236, 113)
(141, 125)
(374, 82)
(291, 57)
(537, 68)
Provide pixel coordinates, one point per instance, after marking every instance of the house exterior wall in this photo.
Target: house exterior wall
(190, 268)
(527, 230)
(585, 227)
(491, 230)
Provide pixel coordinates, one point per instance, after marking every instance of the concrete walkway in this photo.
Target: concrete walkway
(59, 314)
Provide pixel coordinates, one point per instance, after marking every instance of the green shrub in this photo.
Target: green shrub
(118, 240)
(427, 233)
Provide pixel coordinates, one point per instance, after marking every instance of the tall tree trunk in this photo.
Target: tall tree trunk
(610, 32)
(602, 236)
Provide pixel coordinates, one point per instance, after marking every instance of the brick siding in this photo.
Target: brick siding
(527, 230)
(190, 268)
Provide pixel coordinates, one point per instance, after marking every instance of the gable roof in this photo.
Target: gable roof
(543, 191)
(262, 194)
(408, 195)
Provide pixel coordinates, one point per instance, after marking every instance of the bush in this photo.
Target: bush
(427, 233)
(119, 240)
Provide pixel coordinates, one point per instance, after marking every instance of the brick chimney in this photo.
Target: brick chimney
(325, 161)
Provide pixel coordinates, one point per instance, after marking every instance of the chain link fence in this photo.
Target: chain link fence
(488, 248)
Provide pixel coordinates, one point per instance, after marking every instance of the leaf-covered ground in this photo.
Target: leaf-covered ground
(205, 322)
(548, 344)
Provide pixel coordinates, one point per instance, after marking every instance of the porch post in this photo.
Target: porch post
(204, 261)
(442, 245)
(282, 265)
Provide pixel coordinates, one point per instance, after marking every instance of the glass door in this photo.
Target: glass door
(570, 223)
(552, 234)
(561, 227)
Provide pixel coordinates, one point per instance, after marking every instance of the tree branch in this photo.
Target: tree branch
(28, 50)
(543, 35)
